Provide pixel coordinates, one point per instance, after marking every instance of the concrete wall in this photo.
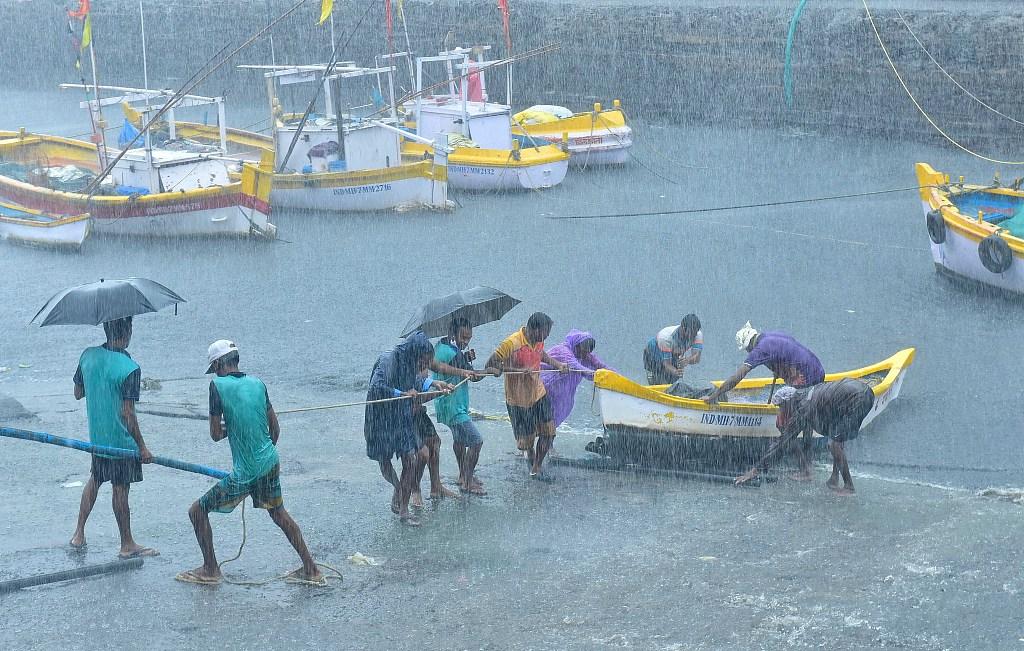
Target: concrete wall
(679, 61)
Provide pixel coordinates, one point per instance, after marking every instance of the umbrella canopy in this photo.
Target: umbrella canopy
(107, 300)
(478, 305)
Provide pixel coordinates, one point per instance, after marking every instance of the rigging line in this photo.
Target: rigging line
(187, 88)
(339, 117)
(917, 104)
(949, 76)
(763, 204)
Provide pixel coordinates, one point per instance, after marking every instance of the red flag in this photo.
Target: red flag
(503, 6)
(81, 12)
(387, 25)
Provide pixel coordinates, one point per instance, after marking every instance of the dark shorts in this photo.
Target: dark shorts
(229, 493)
(846, 425)
(466, 433)
(116, 471)
(425, 429)
(526, 421)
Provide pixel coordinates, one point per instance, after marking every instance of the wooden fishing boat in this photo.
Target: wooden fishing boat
(644, 424)
(598, 137)
(37, 228)
(484, 153)
(351, 165)
(976, 232)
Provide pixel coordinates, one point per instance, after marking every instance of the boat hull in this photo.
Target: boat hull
(418, 185)
(959, 254)
(67, 232)
(646, 425)
(599, 138)
(497, 170)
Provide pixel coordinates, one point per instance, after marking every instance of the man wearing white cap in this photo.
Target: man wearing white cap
(252, 431)
(786, 358)
(836, 411)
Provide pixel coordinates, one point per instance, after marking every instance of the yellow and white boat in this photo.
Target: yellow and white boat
(356, 165)
(976, 232)
(645, 424)
(598, 137)
(485, 155)
(183, 195)
(37, 228)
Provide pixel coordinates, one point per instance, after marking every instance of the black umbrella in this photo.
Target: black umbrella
(479, 305)
(97, 303)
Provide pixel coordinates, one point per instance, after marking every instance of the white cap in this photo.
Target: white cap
(744, 335)
(782, 394)
(219, 349)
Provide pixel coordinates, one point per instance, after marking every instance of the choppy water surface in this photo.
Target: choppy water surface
(916, 560)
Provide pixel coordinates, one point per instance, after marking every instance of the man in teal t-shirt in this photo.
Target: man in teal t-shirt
(109, 380)
(453, 363)
(252, 431)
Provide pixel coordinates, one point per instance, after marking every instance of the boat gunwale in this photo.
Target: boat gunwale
(607, 380)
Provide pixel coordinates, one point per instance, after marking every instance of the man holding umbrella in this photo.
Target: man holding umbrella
(109, 380)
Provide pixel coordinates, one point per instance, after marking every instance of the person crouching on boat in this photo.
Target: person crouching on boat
(252, 431)
(389, 425)
(835, 410)
(668, 353)
(786, 358)
(577, 351)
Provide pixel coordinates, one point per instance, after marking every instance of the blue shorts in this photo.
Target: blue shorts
(466, 433)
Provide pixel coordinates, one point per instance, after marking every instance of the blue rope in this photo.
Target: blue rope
(787, 75)
(75, 444)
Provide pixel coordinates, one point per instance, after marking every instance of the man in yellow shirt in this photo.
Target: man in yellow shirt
(519, 356)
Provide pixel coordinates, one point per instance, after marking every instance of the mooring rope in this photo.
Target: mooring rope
(917, 104)
(949, 76)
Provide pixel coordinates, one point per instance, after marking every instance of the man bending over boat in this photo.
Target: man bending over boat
(786, 358)
(252, 431)
(519, 356)
(834, 410)
(110, 380)
(674, 348)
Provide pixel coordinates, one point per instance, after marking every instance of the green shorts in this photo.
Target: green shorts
(229, 492)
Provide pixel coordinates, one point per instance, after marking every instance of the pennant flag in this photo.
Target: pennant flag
(503, 6)
(81, 12)
(87, 32)
(326, 7)
(388, 25)
(401, 10)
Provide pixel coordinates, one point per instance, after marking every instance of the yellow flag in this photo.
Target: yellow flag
(401, 11)
(87, 31)
(326, 7)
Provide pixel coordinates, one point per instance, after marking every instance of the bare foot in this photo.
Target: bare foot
(410, 520)
(801, 476)
(395, 502)
(416, 500)
(833, 482)
(77, 542)
(845, 491)
(136, 551)
(201, 576)
(441, 494)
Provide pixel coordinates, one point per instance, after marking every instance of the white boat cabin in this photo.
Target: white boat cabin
(168, 171)
(360, 144)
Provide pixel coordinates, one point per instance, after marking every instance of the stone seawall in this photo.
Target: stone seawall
(667, 61)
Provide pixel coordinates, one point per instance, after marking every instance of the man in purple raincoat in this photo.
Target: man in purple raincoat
(577, 351)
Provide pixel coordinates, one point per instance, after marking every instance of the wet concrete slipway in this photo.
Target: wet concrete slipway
(918, 559)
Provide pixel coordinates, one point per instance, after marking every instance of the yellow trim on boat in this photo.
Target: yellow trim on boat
(590, 121)
(479, 157)
(211, 134)
(611, 381)
(936, 192)
(326, 180)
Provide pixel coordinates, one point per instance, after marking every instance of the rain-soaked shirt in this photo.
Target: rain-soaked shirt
(521, 389)
(786, 358)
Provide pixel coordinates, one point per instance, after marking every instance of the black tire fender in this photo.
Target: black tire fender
(995, 254)
(936, 226)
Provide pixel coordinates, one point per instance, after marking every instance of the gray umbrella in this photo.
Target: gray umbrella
(97, 303)
(479, 305)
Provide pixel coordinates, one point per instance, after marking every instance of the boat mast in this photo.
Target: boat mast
(100, 135)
